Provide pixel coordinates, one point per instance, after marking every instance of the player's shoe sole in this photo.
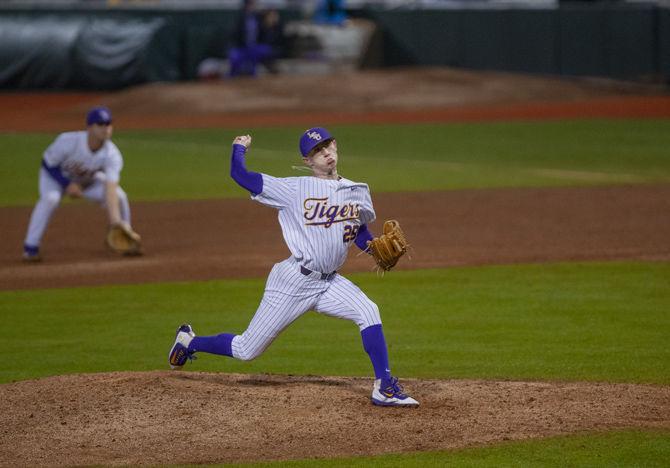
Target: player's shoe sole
(408, 402)
(179, 353)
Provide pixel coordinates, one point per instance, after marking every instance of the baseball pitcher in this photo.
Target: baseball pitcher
(321, 216)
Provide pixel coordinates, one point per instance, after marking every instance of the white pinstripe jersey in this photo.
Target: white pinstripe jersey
(78, 163)
(319, 218)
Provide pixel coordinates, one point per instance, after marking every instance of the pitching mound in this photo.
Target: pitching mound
(193, 417)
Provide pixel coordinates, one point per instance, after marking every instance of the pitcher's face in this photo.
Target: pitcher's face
(323, 158)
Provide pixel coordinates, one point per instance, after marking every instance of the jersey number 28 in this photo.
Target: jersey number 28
(349, 233)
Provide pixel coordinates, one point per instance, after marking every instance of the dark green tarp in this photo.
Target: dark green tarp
(85, 52)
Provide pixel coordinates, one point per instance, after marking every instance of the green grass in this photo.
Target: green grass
(592, 322)
(620, 449)
(192, 164)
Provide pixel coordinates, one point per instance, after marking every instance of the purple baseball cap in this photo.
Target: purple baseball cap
(313, 137)
(99, 115)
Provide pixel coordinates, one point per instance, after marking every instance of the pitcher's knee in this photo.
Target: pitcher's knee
(245, 354)
(247, 348)
(369, 315)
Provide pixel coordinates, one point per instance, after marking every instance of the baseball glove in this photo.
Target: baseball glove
(122, 239)
(390, 246)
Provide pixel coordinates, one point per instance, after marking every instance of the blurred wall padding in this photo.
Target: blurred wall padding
(113, 48)
(88, 52)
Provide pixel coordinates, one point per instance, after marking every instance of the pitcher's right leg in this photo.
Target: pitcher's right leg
(288, 295)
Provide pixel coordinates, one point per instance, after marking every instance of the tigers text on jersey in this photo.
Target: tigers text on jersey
(319, 217)
(70, 153)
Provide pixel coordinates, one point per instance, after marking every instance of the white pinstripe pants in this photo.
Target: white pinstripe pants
(289, 294)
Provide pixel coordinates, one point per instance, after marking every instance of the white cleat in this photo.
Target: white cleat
(389, 393)
(179, 352)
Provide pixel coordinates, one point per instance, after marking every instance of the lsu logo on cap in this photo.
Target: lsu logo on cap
(313, 137)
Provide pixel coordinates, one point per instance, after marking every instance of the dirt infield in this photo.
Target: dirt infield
(191, 417)
(466, 227)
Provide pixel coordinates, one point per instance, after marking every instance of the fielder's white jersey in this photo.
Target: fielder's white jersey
(319, 218)
(70, 152)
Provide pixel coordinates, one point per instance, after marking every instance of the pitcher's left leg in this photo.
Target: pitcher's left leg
(343, 299)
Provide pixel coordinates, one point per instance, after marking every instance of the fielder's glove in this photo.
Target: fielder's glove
(122, 239)
(389, 247)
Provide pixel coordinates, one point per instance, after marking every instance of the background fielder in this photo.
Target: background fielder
(79, 164)
(320, 216)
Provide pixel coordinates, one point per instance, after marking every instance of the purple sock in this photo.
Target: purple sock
(218, 344)
(375, 345)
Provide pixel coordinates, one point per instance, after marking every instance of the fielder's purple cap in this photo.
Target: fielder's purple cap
(313, 137)
(99, 115)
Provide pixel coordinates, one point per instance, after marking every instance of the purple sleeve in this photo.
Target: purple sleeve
(252, 181)
(363, 237)
(56, 174)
